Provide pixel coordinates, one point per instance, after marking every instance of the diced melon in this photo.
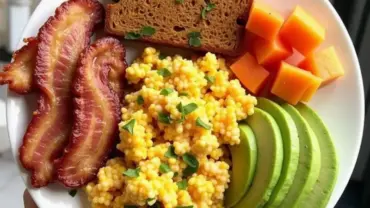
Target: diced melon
(264, 21)
(302, 31)
(249, 72)
(292, 84)
(271, 52)
(312, 89)
(324, 64)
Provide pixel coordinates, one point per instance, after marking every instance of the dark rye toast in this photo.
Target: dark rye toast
(221, 31)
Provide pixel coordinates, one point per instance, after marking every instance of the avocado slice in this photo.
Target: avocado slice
(244, 158)
(269, 159)
(309, 161)
(290, 139)
(324, 186)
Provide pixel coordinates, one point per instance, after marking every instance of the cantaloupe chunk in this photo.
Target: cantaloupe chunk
(264, 21)
(271, 52)
(248, 42)
(302, 31)
(292, 84)
(249, 72)
(324, 64)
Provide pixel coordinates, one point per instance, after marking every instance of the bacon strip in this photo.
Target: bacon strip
(61, 40)
(97, 87)
(18, 74)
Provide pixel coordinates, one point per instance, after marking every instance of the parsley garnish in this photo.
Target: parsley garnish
(166, 91)
(171, 152)
(132, 36)
(183, 94)
(129, 126)
(164, 118)
(147, 31)
(164, 72)
(207, 9)
(140, 100)
(200, 123)
(164, 168)
(179, 1)
(192, 163)
(194, 39)
(182, 185)
(132, 173)
(151, 201)
(210, 79)
(72, 192)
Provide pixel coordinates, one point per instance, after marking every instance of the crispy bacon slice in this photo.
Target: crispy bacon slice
(97, 87)
(18, 74)
(61, 40)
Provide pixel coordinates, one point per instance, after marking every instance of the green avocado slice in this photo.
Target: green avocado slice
(324, 186)
(244, 158)
(309, 162)
(269, 159)
(290, 139)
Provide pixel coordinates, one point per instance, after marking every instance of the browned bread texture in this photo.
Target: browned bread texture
(221, 31)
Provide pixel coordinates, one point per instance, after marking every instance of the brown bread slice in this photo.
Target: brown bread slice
(221, 32)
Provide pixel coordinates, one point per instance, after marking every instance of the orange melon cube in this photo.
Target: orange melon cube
(264, 21)
(248, 42)
(249, 72)
(292, 83)
(312, 89)
(302, 31)
(270, 52)
(324, 64)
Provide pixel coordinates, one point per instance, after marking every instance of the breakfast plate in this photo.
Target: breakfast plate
(340, 104)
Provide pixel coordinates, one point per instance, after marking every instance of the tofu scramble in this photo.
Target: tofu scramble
(174, 135)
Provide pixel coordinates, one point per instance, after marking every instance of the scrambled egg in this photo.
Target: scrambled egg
(174, 133)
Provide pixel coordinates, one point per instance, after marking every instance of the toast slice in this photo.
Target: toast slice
(221, 27)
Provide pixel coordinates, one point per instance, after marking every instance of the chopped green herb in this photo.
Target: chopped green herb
(166, 91)
(147, 31)
(207, 9)
(132, 173)
(151, 201)
(72, 192)
(200, 123)
(192, 163)
(132, 36)
(175, 174)
(162, 56)
(129, 126)
(164, 72)
(194, 39)
(210, 79)
(140, 100)
(182, 184)
(180, 108)
(164, 168)
(130, 206)
(183, 94)
(190, 206)
(164, 118)
(179, 1)
(171, 152)
(189, 108)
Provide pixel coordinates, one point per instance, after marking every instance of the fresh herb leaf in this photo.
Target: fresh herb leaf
(194, 39)
(147, 31)
(140, 100)
(164, 118)
(210, 79)
(189, 108)
(151, 201)
(192, 163)
(164, 72)
(200, 123)
(175, 174)
(182, 184)
(72, 192)
(162, 56)
(190, 206)
(207, 9)
(132, 173)
(132, 36)
(129, 126)
(180, 108)
(183, 94)
(130, 206)
(164, 168)
(179, 1)
(171, 152)
(166, 91)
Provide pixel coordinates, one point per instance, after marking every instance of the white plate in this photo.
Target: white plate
(341, 104)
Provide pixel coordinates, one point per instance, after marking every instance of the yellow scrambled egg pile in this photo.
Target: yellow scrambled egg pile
(174, 133)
